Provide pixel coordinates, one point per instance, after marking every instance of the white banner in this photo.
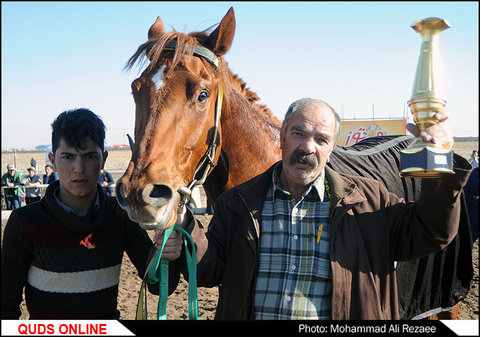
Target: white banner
(64, 328)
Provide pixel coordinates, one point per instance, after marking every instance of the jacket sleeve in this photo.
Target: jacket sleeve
(15, 266)
(431, 223)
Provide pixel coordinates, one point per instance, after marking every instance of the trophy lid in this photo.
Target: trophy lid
(433, 23)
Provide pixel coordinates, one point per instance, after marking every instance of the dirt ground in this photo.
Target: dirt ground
(177, 308)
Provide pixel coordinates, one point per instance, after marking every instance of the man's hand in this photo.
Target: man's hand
(173, 246)
(439, 133)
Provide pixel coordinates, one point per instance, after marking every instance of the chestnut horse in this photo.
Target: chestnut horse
(195, 118)
(176, 98)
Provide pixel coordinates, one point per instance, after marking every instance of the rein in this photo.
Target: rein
(154, 274)
(157, 269)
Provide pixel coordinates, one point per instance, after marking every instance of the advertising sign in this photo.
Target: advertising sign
(356, 130)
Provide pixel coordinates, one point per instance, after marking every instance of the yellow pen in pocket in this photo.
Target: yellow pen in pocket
(320, 230)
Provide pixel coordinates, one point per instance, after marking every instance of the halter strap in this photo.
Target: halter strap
(197, 50)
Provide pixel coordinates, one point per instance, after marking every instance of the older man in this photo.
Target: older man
(301, 241)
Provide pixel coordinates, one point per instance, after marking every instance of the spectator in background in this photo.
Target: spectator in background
(12, 195)
(32, 181)
(473, 160)
(105, 180)
(471, 196)
(50, 175)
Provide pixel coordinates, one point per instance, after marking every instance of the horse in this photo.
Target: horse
(175, 124)
(197, 122)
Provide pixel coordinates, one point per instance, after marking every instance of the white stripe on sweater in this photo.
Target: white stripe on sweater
(75, 282)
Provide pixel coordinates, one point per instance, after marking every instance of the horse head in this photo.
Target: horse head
(176, 120)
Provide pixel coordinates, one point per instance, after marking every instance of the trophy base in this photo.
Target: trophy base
(426, 162)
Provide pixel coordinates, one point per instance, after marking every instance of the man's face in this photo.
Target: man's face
(11, 172)
(48, 170)
(307, 143)
(31, 173)
(78, 170)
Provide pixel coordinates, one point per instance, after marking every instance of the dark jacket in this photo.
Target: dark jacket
(370, 229)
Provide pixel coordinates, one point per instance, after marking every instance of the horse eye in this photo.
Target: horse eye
(202, 97)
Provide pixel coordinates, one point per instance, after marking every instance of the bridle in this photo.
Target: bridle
(207, 162)
(157, 270)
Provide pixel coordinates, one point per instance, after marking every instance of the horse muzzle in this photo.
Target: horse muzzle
(153, 207)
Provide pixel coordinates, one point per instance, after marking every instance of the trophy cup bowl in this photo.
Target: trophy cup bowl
(422, 159)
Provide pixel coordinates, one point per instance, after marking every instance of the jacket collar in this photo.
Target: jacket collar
(343, 189)
(252, 195)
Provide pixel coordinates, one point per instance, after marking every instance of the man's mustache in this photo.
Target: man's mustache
(299, 156)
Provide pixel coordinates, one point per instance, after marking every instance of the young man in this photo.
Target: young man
(302, 241)
(67, 249)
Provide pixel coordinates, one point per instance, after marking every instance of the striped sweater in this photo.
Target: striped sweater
(69, 265)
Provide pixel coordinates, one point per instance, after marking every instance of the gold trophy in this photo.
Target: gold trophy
(422, 159)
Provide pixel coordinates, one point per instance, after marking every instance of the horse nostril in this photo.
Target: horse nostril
(120, 196)
(161, 191)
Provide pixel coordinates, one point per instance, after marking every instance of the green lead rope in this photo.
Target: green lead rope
(157, 271)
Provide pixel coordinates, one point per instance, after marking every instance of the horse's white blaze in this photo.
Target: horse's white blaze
(158, 77)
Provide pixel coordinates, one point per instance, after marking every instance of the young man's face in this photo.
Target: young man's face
(78, 170)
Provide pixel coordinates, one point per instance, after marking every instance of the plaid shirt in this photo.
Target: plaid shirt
(294, 272)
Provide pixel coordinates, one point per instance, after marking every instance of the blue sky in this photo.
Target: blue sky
(358, 56)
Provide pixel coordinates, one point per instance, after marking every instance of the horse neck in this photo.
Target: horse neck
(250, 136)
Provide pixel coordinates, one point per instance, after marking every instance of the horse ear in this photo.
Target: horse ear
(220, 40)
(156, 29)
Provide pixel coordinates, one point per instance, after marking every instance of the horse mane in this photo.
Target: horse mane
(153, 48)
